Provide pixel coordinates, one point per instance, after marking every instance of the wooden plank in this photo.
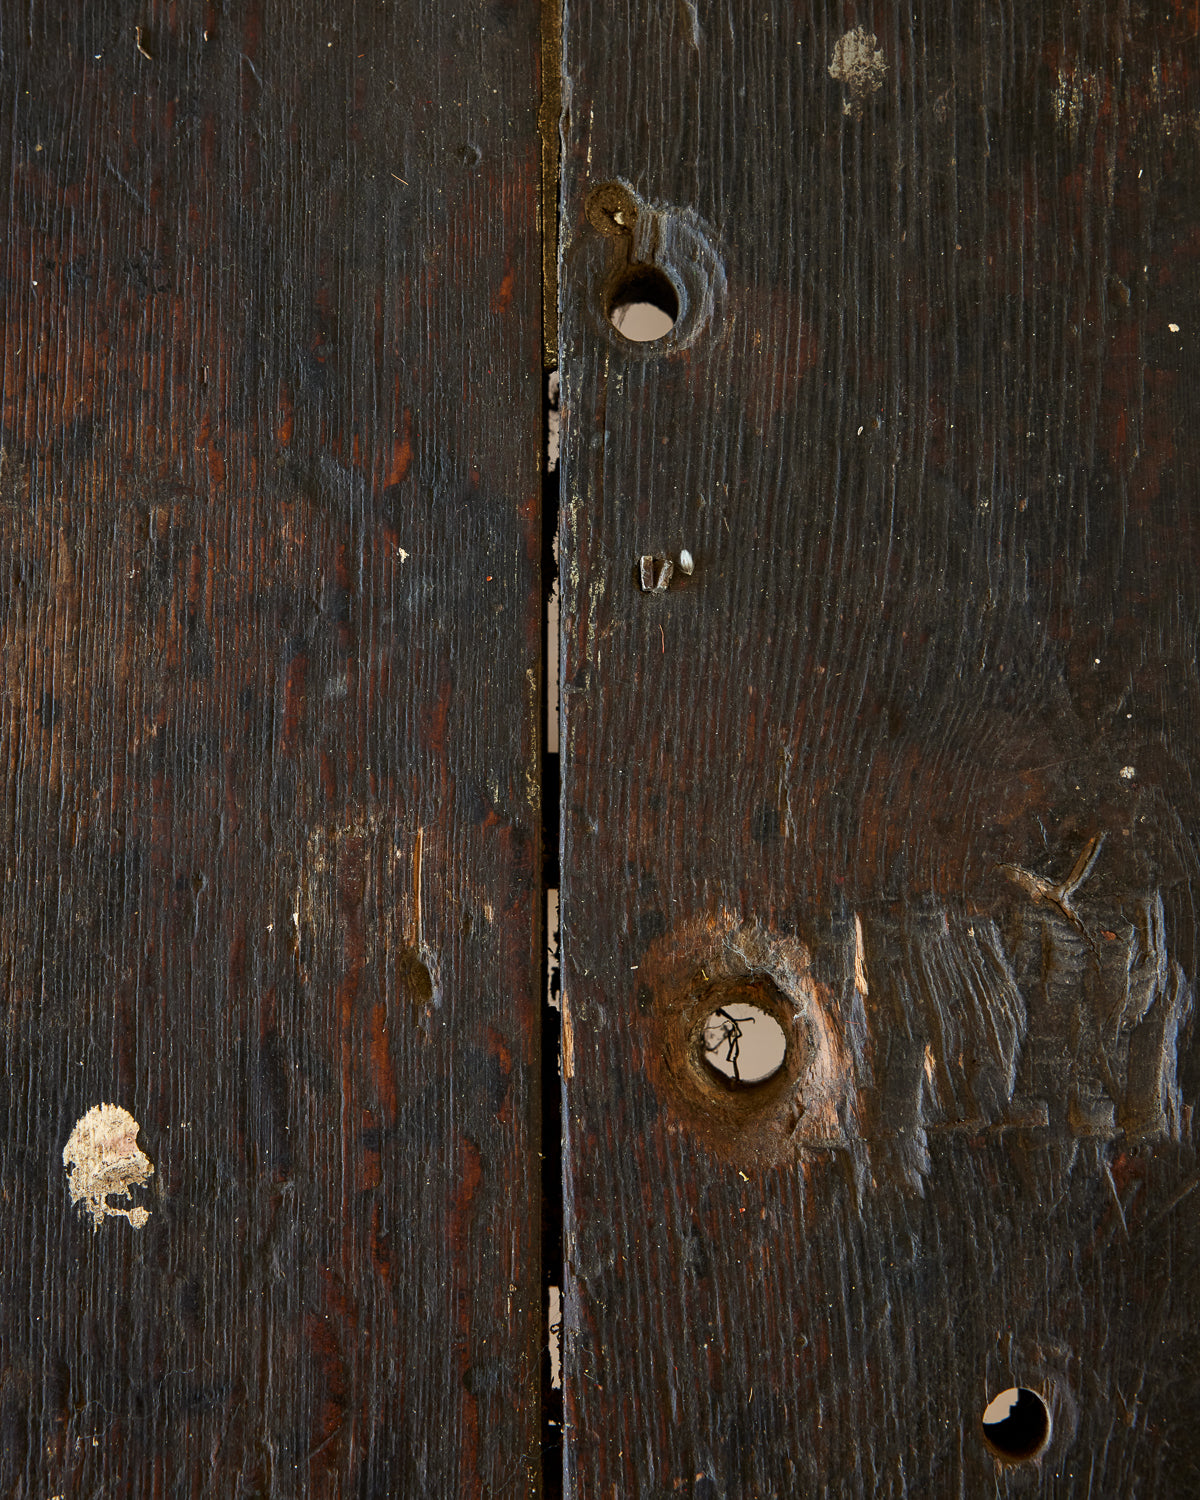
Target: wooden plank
(911, 749)
(269, 634)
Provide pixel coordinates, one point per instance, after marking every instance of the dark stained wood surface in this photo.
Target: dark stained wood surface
(927, 425)
(269, 643)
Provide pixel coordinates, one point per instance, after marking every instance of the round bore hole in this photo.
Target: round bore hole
(1017, 1424)
(644, 305)
(743, 1042)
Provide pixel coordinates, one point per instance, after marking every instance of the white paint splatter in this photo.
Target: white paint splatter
(859, 63)
(1174, 327)
(103, 1158)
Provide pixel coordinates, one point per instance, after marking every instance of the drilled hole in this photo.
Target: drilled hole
(743, 1042)
(644, 305)
(1016, 1424)
(612, 209)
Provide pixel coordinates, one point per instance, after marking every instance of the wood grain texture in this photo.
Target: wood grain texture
(269, 643)
(927, 426)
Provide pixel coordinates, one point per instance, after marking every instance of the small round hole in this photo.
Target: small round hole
(644, 305)
(1016, 1424)
(743, 1043)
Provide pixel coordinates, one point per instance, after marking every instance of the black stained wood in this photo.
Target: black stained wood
(269, 643)
(927, 425)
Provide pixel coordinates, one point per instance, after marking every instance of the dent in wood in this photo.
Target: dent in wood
(684, 975)
(1047, 1038)
(1100, 1054)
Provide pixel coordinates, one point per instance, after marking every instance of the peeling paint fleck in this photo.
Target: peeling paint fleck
(103, 1159)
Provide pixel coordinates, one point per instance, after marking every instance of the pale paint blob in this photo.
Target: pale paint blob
(103, 1158)
(859, 63)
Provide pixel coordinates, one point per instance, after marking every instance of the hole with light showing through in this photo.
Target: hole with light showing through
(743, 1043)
(1016, 1424)
(645, 304)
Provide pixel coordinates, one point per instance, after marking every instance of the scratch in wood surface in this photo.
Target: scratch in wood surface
(1184, 1192)
(418, 847)
(142, 202)
(1039, 889)
(1116, 1197)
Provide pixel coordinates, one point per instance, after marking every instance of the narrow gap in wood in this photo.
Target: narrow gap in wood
(551, 1080)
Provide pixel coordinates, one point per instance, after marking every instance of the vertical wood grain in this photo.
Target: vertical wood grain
(927, 427)
(269, 643)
